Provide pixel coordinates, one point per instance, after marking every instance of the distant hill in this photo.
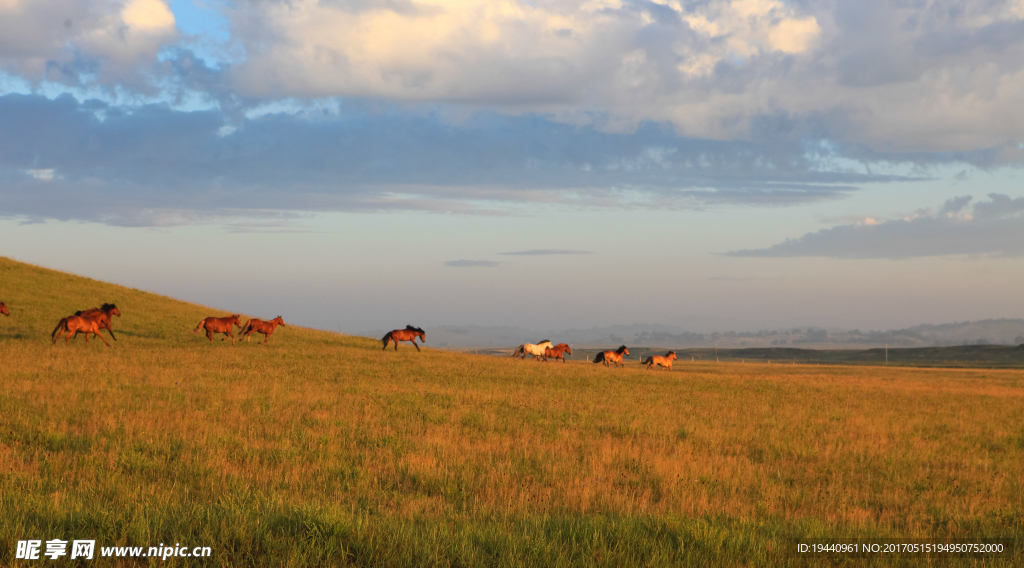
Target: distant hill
(984, 332)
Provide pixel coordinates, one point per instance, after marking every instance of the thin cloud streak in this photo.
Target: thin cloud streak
(547, 252)
(472, 263)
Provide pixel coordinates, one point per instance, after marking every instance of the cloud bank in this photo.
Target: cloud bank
(993, 227)
(110, 111)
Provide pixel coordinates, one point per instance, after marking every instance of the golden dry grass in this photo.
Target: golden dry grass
(320, 449)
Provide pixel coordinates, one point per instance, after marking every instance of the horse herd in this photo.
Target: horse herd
(544, 350)
(94, 320)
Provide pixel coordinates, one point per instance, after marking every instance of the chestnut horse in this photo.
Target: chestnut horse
(614, 357)
(260, 326)
(73, 325)
(535, 349)
(3, 309)
(220, 325)
(109, 309)
(101, 315)
(556, 352)
(662, 360)
(409, 334)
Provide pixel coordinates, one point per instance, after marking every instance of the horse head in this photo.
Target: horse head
(111, 309)
(279, 321)
(3, 309)
(671, 355)
(236, 319)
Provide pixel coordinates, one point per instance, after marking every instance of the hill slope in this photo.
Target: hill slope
(323, 450)
(39, 297)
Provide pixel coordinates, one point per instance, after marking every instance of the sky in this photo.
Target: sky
(360, 165)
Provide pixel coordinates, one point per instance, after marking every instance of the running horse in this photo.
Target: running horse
(535, 349)
(223, 325)
(664, 361)
(102, 315)
(556, 352)
(73, 325)
(613, 357)
(3, 309)
(259, 326)
(109, 310)
(409, 334)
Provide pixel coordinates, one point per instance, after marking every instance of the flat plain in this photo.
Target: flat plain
(320, 449)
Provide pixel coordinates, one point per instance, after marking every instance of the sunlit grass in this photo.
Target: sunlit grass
(321, 449)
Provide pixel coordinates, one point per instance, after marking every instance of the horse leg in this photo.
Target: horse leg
(414, 344)
(209, 335)
(99, 335)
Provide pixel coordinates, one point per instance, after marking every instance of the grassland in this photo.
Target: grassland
(321, 450)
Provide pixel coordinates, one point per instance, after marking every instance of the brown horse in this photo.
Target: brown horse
(260, 326)
(614, 357)
(101, 315)
(662, 360)
(109, 309)
(556, 352)
(73, 325)
(3, 309)
(409, 334)
(223, 325)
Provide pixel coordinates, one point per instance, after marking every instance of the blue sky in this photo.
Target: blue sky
(360, 165)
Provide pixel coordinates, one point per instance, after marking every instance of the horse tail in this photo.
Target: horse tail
(386, 339)
(198, 327)
(648, 361)
(61, 324)
(599, 357)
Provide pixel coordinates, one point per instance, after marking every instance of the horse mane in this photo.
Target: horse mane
(416, 329)
(620, 350)
(670, 353)
(106, 307)
(78, 313)
(543, 341)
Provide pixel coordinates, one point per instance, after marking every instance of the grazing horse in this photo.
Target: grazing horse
(535, 349)
(72, 325)
(109, 309)
(662, 360)
(409, 334)
(614, 357)
(260, 326)
(223, 325)
(556, 352)
(3, 309)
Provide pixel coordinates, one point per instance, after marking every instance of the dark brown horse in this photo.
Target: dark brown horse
(556, 352)
(73, 325)
(223, 325)
(409, 334)
(3, 309)
(613, 357)
(260, 326)
(661, 360)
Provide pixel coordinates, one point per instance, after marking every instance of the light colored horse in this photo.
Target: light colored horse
(662, 361)
(537, 350)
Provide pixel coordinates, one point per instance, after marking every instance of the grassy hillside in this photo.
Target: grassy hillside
(321, 450)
